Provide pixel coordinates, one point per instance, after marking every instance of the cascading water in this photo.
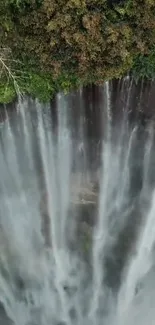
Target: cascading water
(71, 253)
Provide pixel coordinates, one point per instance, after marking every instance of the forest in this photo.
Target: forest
(48, 46)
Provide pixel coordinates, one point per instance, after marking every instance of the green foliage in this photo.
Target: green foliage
(66, 82)
(7, 93)
(40, 86)
(23, 6)
(64, 43)
(144, 66)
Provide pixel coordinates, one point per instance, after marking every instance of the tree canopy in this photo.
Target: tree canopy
(58, 44)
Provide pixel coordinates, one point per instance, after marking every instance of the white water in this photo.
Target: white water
(49, 282)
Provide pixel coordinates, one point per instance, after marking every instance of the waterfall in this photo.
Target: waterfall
(77, 243)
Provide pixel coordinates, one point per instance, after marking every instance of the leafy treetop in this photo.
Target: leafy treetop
(79, 41)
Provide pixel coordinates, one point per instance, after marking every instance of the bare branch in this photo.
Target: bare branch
(6, 69)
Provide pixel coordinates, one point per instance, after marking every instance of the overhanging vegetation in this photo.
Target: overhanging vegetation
(58, 44)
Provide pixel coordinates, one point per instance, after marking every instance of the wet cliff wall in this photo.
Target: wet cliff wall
(137, 98)
(85, 109)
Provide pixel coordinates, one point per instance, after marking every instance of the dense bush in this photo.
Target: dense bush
(78, 41)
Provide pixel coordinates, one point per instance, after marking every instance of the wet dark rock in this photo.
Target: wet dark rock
(143, 119)
(20, 283)
(87, 214)
(45, 221)
(84, 239)
(83, 209)
(72, 313)
(70, 290)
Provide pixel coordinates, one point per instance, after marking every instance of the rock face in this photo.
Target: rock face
(45, 222)
(83, 208)
(82, 218)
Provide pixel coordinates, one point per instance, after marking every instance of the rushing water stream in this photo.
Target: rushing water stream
(77, 214)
